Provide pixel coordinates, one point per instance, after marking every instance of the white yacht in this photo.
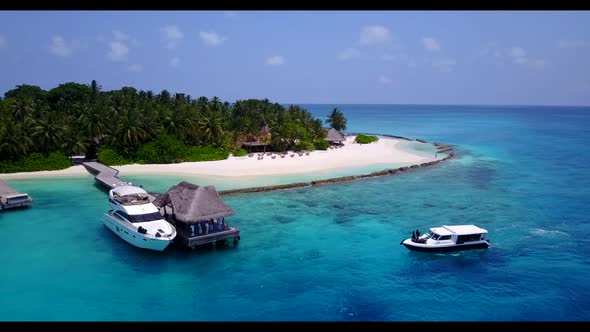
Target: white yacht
(448, 238)
(136, 220)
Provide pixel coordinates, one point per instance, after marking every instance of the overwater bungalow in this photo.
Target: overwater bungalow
(334, 137)
(198, 213)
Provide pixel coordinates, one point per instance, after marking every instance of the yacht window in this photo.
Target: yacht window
(435, 236)
(145, 217)
(121, 215)
(445, 237)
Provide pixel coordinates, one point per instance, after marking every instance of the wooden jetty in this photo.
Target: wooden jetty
(10, 198)
(218, 237)
(105, 175)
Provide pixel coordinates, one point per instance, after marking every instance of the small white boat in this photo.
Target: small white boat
(449, 238)
(136, 220)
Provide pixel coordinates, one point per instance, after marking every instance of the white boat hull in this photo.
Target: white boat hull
(447, 247)
(133, 237)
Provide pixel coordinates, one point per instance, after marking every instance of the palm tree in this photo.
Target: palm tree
(211, 128)
(74, 143)
(336, 120)
(266, 140)
(22, 109)
(129, 131)
(94, 123)
(94, 90)
(318, 132)
(14, 141)
(48, 133)
(215, 105)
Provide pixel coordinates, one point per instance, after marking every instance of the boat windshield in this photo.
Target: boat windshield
(145, 217)
(435, 236)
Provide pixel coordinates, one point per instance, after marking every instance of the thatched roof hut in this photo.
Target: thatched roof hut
(192, 203)
(334, 135)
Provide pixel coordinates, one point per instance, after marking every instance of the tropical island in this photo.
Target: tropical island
(142, 133)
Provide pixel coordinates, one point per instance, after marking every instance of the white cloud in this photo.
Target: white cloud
(59, 47)
(275, 60)
(571, 43)
(348, 53)
(517, 52)
(119, 35)
(384, 80)
(374, 35)
(445, 65)
(401, 58)
(136, 68)
(174, 61)
(171, 35)
(118, 51)
(430, 44)
(211, 38)
(519, 56)
(490, 49)
(2, 41)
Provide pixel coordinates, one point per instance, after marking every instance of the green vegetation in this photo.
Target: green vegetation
(126, 126)
(239, 152)
(164, 150)
(321, 144)
(336, 120)
(110, 157)
(205, 153)
(36, 162)
(366, 139)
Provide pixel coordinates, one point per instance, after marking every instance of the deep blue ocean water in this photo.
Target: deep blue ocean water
(332, 253)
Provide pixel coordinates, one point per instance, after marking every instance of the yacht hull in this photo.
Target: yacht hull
(135, 238)
(447, 248)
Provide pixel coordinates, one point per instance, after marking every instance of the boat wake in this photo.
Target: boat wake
(543, 232)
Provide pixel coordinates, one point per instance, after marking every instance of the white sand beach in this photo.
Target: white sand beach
(385, 151)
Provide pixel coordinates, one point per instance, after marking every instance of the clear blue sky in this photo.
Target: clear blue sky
(398, 57)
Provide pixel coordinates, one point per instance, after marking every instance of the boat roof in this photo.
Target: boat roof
(128, 190)
(140, 209)
(458, 230)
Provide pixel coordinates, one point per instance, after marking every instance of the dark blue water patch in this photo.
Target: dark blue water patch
(338, 206)
(312, 254)
(343, 220)
(311, 204)
(284, 219)
(360, 306)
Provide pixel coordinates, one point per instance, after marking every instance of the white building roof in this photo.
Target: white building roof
(128, 190)
(465, 229)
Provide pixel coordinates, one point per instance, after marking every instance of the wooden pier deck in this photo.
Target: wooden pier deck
(105, 175)
(10, 198)
(184, 237)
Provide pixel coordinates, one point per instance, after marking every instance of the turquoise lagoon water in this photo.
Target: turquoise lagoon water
(332, 253)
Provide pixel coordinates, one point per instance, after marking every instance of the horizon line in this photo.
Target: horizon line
(430, 104)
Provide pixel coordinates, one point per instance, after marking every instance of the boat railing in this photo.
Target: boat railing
(132, 199)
